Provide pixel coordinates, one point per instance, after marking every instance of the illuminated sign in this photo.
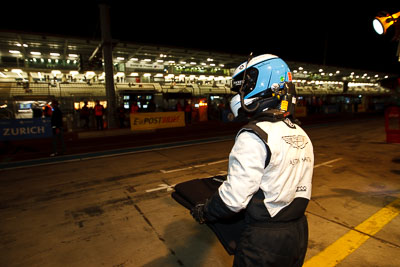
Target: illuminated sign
(156, 120)
(25, 129)
(90, 104)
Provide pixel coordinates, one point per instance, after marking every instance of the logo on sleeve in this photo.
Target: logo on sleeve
(296, 141)
(301, 188)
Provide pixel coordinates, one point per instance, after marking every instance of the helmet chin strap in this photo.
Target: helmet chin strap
(241, 90)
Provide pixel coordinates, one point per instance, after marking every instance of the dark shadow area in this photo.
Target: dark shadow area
(189, 252)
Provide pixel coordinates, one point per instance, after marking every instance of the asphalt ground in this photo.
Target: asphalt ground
(115, 209)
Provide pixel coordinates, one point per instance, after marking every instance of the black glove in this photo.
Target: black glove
(198, 213)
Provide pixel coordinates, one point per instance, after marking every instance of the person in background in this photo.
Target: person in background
(36, 110)
(134, 107)
(85, 115)
(98, 113)
(188, 112)
(121, 116)
(57, 129)
(47, 110)
(179, 106)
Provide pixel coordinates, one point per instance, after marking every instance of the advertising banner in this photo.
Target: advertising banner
(25, 129)
(156, 120)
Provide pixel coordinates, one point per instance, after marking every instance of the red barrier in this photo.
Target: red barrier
(392, 124)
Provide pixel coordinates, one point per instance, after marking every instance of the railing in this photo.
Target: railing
(69, 89)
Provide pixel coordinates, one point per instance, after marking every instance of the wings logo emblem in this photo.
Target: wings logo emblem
(296, 141)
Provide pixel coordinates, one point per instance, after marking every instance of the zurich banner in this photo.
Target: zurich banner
(25, 129)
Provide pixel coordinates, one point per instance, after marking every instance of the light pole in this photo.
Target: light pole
(108, 63)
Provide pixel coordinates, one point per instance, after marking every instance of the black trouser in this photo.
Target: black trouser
(273, 244)
(99, 122)
(58, 137)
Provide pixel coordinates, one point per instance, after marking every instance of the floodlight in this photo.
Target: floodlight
(382, 23)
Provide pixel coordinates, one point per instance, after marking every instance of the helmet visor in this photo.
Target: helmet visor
(247, 83)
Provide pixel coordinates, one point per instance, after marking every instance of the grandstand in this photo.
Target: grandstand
(42, 68)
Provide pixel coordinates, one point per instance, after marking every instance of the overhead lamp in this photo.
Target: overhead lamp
(35, 53)
(382, 22)
(90, 74)
(18, 71)
(73, 55)
(14, 51)
(55, 54)
(55, 72)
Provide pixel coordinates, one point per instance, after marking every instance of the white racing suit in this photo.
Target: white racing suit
(269, 177)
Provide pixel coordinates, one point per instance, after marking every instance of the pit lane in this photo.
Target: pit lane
(117, 210)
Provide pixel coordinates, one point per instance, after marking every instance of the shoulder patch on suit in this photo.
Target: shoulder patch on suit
(289, 123)
(252, 127)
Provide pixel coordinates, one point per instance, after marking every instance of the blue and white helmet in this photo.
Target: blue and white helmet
(265, 77)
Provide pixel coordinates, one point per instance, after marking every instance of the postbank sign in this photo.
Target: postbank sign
(156, 120)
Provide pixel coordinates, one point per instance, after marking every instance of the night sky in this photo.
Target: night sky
(338, 36)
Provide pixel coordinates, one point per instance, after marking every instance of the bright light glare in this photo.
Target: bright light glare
(377, 26)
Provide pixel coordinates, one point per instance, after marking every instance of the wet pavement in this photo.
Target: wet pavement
(115, 209)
